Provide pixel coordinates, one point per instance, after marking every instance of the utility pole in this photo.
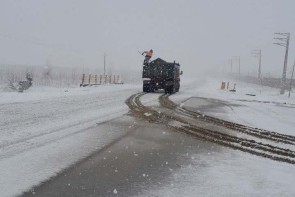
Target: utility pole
(257, 53)
(291, 79)
(104, 64)
(239, 66)
(231, 65)
(284, 39)
(239, 61)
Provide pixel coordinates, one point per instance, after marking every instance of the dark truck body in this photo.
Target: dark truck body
(160, 74)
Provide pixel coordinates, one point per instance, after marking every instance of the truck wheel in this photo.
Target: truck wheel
(145, 88)
(151, 89)
(166, 90)
(177, 87)
(173, 90)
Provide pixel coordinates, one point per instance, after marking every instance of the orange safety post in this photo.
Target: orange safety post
(222, 85)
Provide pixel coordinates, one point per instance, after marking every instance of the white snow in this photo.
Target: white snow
(45, 130)
(147, 114)
(267, 110)
(230, 172)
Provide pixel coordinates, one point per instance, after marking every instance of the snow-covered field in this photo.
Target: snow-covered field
(45, 130)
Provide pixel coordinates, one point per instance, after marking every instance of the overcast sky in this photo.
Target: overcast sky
(200, 34)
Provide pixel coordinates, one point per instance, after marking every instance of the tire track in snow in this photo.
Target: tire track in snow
(180, 124)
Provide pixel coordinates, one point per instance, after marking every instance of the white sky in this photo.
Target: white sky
(199, 34)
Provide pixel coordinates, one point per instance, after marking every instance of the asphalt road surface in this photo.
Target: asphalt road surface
(161, 141)
(142, 159)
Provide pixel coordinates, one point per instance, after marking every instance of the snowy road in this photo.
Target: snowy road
(142, 159)
(44, 131)
(41, 135)
(151, 160)
(28, 125)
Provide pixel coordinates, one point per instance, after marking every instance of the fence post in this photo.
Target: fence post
(105, 79)
(89, 79)
(95, 79)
